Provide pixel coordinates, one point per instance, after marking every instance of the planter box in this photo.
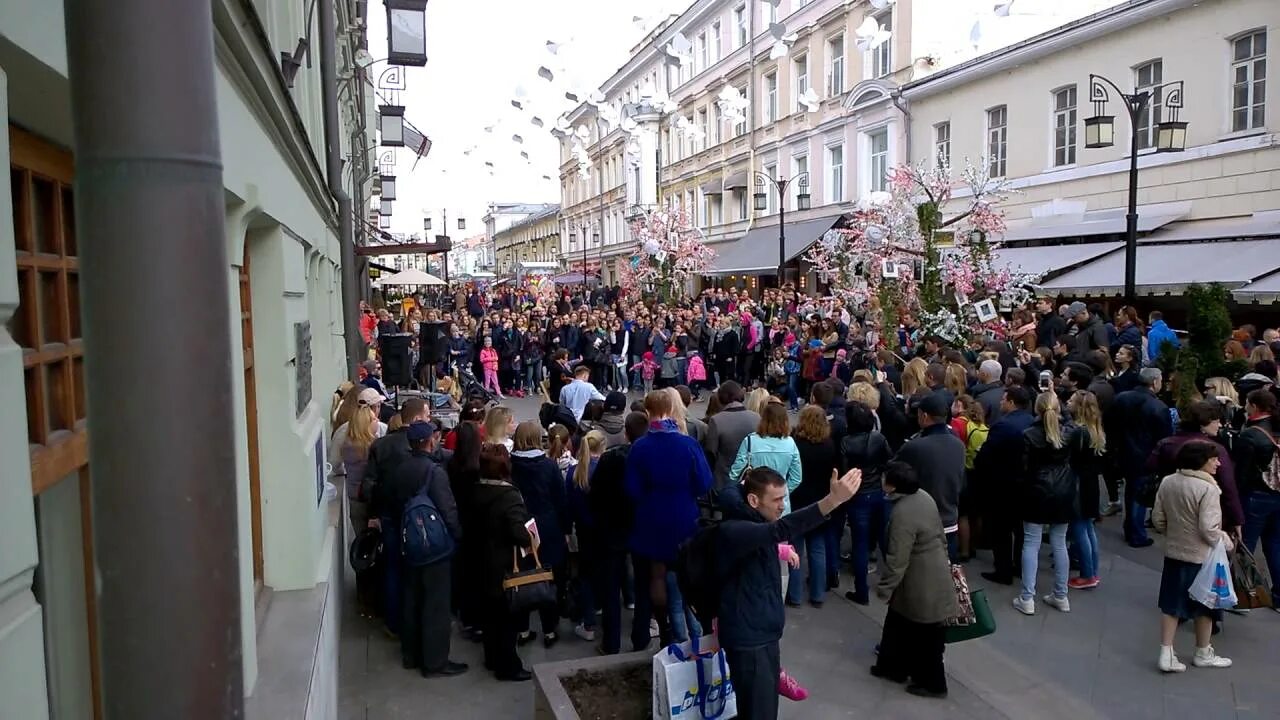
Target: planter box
(551, 702)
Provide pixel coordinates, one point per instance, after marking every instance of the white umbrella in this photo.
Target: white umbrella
(412, 276)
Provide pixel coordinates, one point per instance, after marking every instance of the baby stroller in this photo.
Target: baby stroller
(473, 388)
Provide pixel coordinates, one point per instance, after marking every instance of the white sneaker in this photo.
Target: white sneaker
(1026, 607)
(1207, 658)
(653, 628)
(1061, 604)
(581, 631)
(1168, 661)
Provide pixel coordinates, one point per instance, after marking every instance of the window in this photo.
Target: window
(740, 128)
(713, 130)
(713, 208)
(835, 66)
(715, 41)
(704, 58)
(879, 145)
(770, 97)
(800, 166)
(835, 174)
(1064, 126)
(1249, 81)
(1146, 78)
(673, 76)
(997, 138)
(801, 67)
(773, 11)
(741, 196)
(942, 143)
(690, 143)
(706, 131)
(739, 26)
(769, 192)
(882, 56)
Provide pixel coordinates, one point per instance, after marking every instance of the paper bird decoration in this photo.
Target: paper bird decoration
(809, 99)
(881, 4)
(870, 35)
(553, 47)
(545, 73)
(1003, 8)
(563, 124)
(571, 97)
(517, 105)
(536, 121)
(524, 154)
(517, 139)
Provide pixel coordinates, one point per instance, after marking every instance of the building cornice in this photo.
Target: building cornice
(1059, 39)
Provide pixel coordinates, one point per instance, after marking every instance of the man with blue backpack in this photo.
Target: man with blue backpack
(420, 503)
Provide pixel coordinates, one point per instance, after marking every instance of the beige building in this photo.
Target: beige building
(842, 141)
(533, 242)
(1022, 112)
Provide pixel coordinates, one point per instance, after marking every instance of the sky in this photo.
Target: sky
(482, 54)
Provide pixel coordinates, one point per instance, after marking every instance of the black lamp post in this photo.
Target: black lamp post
(1099, 132)
(762, 203)
(407, 32)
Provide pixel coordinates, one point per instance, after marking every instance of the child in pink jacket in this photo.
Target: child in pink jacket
(489, 360)
(648, 368)
(696, 373)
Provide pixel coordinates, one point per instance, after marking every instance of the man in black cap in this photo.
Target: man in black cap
(426, 623)
(938, 458)
(612, 422)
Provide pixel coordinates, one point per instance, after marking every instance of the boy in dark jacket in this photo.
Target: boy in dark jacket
(751, 616)
(1136, 423)
(614, 513)
(937, 456)
(996, 470)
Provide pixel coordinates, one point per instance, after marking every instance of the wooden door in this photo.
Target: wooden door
(251, 417)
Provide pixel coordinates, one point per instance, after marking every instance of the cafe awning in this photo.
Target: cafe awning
(757, 251)
(1169, 269)
(736, 181)
(1050, 260)
(1093, 223)
(712, 187)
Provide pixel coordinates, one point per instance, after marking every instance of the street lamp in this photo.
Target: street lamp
(1099, 132)
(388, 183)
(391, 125)
(762, 203)
(407, 32)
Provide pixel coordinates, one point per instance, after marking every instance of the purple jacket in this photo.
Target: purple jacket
(1162, 463)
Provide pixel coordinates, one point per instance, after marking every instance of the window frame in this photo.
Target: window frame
(717, 47)
(941, 145)
(740, 32)
(878, 181)
(1253, 103)
(740, 128)
(836, 61)
(882, 57)
(997, 149)
(835, 190)
(1063, 120)
(800, 81)
(770, 107)
(796, 172)
(1149, 115)
(703, 53)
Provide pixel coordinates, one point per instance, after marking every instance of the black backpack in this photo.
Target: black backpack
(698, 572)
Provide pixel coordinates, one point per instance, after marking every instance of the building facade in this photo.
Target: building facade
(825, 116)
(536, 239)
(284, 282)
(1021, 111)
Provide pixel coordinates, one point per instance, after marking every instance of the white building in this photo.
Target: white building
(283, 274)
(1203, 212)
(843, 147)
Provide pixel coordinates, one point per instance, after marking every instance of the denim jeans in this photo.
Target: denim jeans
(833, 533)
(682, 370)
(812, 549)
(867, 519)
(1085, 537)
(683, 623)
(637, 380)
(1262, 521)
(1031, 534)
(533, 374)
(1135, 513)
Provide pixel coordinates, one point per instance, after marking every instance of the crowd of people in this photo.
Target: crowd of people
(827, 443)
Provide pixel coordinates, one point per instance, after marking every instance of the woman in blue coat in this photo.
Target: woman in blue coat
(540, 481)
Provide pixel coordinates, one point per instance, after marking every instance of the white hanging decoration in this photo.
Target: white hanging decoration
(881, 4)
(629, 125)
(583, 132)
(1003, 8)
(608, 115)
(733, 106)
(809, 99)
(870, 35)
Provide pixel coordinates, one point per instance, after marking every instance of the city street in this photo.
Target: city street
(1096, 662)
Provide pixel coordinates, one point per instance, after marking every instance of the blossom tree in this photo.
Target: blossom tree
(671, 251)
(903, 256)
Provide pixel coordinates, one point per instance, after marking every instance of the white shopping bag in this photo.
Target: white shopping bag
(1213, 587)
(691, 680)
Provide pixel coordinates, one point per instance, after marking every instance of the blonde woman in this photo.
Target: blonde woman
(756, 400)
(339, 396)
(499, 426)
(582, 522)
(1088, 465)
(559, 448)
(541, 484)
(346, 408)
(956, 379)
(678, 410)
(1046, 496)
(349, 451)
(913, 377)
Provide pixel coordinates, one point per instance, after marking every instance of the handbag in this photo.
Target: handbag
(984, 622)
(526, 590)
(1251, 591)
(966, 615)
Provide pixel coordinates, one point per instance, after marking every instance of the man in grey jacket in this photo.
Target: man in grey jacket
(726, 430)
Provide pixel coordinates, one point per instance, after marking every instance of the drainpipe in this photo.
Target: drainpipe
(751, 109)
(896, 97)
(333, 164)
(150, 210)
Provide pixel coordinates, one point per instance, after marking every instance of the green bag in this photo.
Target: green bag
(984, 622)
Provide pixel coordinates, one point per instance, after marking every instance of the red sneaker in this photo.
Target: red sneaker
(790, 689)
(1081, 583)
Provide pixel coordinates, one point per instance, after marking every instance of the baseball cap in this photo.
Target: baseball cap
(1076, 308)
(934, 405)
(615, 402)
(369, 396)
(420, 430)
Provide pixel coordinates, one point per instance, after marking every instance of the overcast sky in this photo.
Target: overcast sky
(481, 55)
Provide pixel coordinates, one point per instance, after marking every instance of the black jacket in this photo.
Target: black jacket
(1103, 390)
(989, 396)
(998, 465)
(1124, 381)
(607, 499)
(751, 612)
(869, 452)
(893, 419)
(498, 514)
(542, 485)
(1136, 421)
(385, 455)
(418, 470)
(817, 460)
(1253, 452)
(938, 458)
(1091, 336)
(1048, 491)
(726, 346)
(1050, 326)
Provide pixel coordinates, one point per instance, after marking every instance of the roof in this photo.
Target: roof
(1051, 259)
(1092, 223)
(757, 250)
(1259, 224)
(548, 210)
(1169, 269)
(1265, 290)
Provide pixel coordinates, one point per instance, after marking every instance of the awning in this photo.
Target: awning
(1264, 291)
(570, 278)
(736, 181)
(1097, 222)
(757, 251)
(1049, 260)
(712, 187)
(1257, 225)
(1169, 269)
